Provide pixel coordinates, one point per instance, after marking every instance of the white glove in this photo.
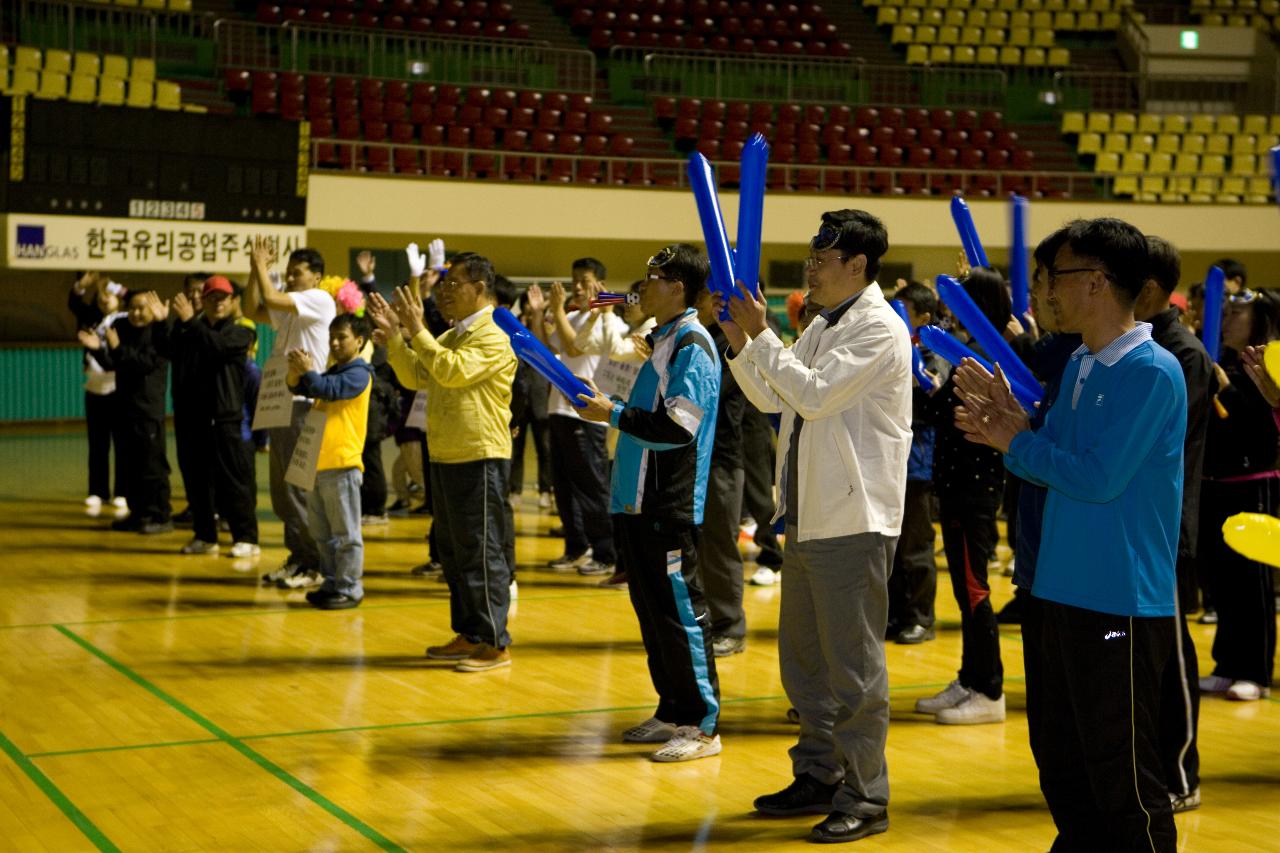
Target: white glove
(435, 251)
(417, 260)
(115, 287)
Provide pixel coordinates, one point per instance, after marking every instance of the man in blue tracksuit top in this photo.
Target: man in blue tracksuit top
(659, 487)
(1110, 455)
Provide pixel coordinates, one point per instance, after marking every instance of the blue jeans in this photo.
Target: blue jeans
(333, 516)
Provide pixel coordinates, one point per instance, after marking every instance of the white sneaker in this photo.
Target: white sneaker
(651, 730)
(119, 503)
(972, 711)
(1215, 684)
(1185, 802)
(199, 546)
(949, 698)
(1247, 691)
(93, 506)
(286, 570)
(595, 567)
(240, 550)
(565, 563)
(688, 743)
(374, 520)
(544, 500)
(513, 591)
(301, 579)
(426, 569)
(764, 576)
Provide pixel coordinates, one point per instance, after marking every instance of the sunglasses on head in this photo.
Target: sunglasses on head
(826, 238)
(1244, 297)
(663, 257)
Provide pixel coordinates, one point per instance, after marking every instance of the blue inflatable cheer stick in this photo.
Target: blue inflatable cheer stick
(917, 360)
(755, 162)
(713, 233)
(955, 352)
(533, 352)
(963, 218)
(1215, 292)
(987, 335)
(1275, 170)
(1018, 210)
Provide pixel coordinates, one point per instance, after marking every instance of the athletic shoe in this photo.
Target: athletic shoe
(240, 550)
(151, 528)
(1208, 617)
(287, 569)
(121, 507)
(949, 698)
(651, 730)
(513, 591)
(544, 501)
(93, 506)
(568, 563)
(199, 546)
(977, 709)
(484, 659)
(805, 795)
(400, 507)
(301, 579)
(595, 567)
(420, 509)
(1009, 568)
(1185, 802)
(793, 716)
(1215, 684)
(764, 576)
(617, 580)
(722, 647)
(688, 743)
(430, 568)
(914, 635)
(459, 648)
(374, 520)
(1247, 691)
(332, 600)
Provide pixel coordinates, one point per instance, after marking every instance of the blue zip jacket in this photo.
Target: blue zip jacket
(340, 382)
(1110, 453)
(668, 426)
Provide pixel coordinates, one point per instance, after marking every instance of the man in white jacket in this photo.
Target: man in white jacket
(844, 391)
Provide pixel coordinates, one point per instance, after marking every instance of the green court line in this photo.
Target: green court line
(272, 611)
(58, 753)
(235, 743)
(59, 799)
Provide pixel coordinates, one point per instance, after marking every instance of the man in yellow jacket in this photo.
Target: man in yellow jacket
(467, 373)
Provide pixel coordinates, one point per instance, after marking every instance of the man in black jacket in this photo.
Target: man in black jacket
(184, 391)
(214, 347)
(1180, 689)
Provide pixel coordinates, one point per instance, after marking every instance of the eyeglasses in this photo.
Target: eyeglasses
(663, 257)
(826, 238)
(812, 263)
(450, 284)
(1053, 275)
(653, 276)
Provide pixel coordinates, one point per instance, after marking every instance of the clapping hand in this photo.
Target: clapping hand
(89, 339)
(408, 307)
(1254, 366)
(556, 299)
(156, 308)
(299, 361)
(366, 263)
(182, 307)
(991, 414)
(382, 315)
(113, 337)
(536, 300)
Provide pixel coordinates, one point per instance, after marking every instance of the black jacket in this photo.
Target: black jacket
(1246, 441)
(1198, 371)
(141, 373)
(962, 470)
(727, 451)
(213, 358)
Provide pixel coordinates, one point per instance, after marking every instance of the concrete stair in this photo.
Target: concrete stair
(857, 26)
(544, 24)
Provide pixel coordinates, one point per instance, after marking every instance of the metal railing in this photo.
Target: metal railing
(471, 163)
(62, 24)
(316, 49)
(1136, 92)
(811, 80)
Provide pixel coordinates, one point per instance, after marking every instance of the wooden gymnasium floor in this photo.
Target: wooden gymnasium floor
(150, 701)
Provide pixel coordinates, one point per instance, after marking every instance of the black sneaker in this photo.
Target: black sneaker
(151, 528)
(323, 600)
(805, 795)
(840, 827)
(914, 635)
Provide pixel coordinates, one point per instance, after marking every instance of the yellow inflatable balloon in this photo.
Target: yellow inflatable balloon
(1271, 359)
(1255, 536)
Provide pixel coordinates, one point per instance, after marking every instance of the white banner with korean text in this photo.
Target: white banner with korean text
(36, 241)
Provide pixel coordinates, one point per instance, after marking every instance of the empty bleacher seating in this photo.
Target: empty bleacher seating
(475, 18)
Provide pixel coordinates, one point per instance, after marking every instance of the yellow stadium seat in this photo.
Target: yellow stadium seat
(1117, 143)
(948, 35)
(1202, 124)
(975, 18)
(57, 61)
(126, 2)
(939, 4)
(179, 5)
(1089, 143)
(27, 59)
(1007, 5)
(1235, 186)
(1159, 163)
(964, 54)
(1193, 143)
(1064, 20)
(1255, 124)
(1077, 5)
(1273, 124)
(111, 91)
(1033, 56)
(1186, 164)
(1142, 143)
(53, 86)
(1125, 185)
(998, 19)
(886, 16)
(919, 4)
(83, 89)
(988, 55)
(1042, 20)
(143, 70)
(195, 108)
(1213, 20)
(1059, 57)
(115, 66)
(1020, 19)
(1180, 184)
(1111, 21)
(1172, 198)
(940, 53)
(1239, 21)
(1032, 6)
(1042, 38)
(1151, 184)
(971, 36)
(917, 54)
(955, 18)
(1175, 123)
(1088, 21)
(926, 34)
(89, 64)
(1206, 185)
(24, 81)
(168, 95)
(1149, 123)
(1107, 164)
(153, 4)
(909, 16)
(1134, 164)
(1228, 124)
(993, 36)
(1217, 143)
(932, 17)
(1265, 143)
(1020, 36)
(1073, 122)
(1213, 164)
(1169, 142)
(902, 34)
(142, 94)
(1260, 186)
(1098, 122)
(1124, 123)
(1010, 55)
(1243, 143)
(1100, 5)
(1244, 164)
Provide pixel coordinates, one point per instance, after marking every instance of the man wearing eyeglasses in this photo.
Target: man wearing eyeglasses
(1110, 453)
(467, 373)
(657, 496)
(844, 391)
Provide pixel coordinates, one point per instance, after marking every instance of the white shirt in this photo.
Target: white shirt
(594, 347)
(308, 330)
(465, 323)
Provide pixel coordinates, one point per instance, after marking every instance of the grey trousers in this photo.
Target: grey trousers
(289, 502)
(718, 555)
(831, 653)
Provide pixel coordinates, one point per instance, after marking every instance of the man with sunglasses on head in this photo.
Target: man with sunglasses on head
(844, 392)
(657, 496)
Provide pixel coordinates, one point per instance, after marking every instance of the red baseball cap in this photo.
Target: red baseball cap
(217, 284)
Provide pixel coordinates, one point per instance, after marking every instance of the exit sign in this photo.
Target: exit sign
(1190, 40)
